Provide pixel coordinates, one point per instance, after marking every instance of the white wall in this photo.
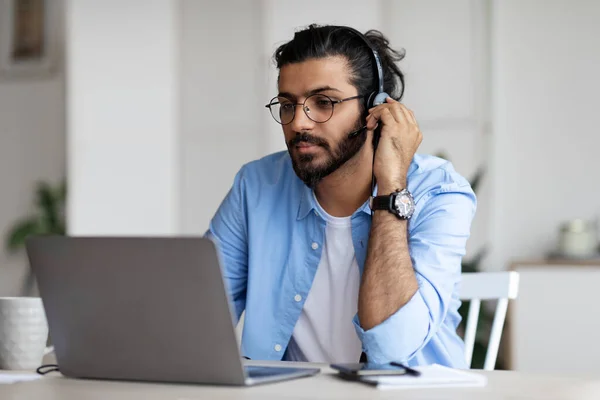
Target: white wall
(123, 117)
(222, 102)
(546, 58)
(32, 148)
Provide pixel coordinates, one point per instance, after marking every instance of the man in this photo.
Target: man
(323, 272)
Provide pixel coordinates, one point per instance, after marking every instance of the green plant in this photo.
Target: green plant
(486, 317)
(47, 219)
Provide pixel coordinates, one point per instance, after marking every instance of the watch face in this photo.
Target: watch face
(404, 204)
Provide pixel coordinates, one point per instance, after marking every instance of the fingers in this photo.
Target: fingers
(408, 114)
(400, 113)
(371, 123)
(382, 114)
(396, 110)
(393, 113)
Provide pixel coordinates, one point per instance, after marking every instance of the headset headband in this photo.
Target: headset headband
(375, 56)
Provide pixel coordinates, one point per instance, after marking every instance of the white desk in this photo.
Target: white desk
(501, 385)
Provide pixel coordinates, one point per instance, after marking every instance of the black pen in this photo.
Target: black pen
(408, 369)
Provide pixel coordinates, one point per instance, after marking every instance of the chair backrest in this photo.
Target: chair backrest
(478, 286)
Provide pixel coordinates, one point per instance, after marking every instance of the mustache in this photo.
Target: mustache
(306, 138)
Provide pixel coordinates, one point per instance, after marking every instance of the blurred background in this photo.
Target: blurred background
(144, 110)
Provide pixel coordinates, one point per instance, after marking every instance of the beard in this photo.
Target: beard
(309, 172)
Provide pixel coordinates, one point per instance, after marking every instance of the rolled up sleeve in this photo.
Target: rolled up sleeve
(437, 242)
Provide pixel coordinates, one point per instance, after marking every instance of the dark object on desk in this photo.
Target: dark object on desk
(408, 369)
(366, 369)
(142, 309)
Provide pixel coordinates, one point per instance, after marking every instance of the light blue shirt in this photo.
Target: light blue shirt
(270, 235)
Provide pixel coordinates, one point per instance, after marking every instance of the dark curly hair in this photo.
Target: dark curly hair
(318, 41)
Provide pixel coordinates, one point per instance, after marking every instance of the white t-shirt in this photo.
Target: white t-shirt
(325, 332)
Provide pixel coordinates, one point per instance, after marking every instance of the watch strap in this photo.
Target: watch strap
(382, 203)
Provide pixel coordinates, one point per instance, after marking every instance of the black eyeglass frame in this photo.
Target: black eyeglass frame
(333, 103)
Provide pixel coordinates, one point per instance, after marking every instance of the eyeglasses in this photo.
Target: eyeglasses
(317, 107)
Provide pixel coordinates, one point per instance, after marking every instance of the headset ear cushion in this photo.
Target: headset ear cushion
(380, 98)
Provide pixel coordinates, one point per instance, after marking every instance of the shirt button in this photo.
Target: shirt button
(297, 298)
(315, 246)
(277, 347)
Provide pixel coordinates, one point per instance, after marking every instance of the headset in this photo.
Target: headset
(374, 98)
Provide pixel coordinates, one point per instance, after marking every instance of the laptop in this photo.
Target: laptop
(142, 309)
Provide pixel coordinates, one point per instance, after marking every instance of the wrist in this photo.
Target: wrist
(387, 187)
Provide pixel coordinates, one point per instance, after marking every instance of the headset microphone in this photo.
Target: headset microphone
(356, 132)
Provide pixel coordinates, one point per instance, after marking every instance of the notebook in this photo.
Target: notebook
(432, 376)
(8, 378)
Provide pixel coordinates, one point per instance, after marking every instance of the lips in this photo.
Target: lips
(305, 143)
(306, 147)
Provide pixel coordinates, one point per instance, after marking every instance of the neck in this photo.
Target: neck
(344, 191)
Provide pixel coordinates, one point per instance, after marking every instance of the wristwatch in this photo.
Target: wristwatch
(400, 203)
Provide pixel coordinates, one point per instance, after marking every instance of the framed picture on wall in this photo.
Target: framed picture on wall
(28, 30)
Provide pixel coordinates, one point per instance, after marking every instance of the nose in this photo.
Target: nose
(301, 121)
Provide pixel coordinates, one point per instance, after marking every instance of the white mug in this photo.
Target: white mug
(23, 333)
(578, 238)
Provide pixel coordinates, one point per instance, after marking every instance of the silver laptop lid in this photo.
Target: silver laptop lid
(136, 308)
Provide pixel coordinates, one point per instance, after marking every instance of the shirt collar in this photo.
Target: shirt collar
(308, 204)
(307, 201)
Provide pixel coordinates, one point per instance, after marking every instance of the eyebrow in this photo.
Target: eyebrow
(312, 91)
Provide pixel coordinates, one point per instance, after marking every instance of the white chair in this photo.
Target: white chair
(478, 286)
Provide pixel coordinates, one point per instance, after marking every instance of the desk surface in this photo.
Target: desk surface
(501, 385)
